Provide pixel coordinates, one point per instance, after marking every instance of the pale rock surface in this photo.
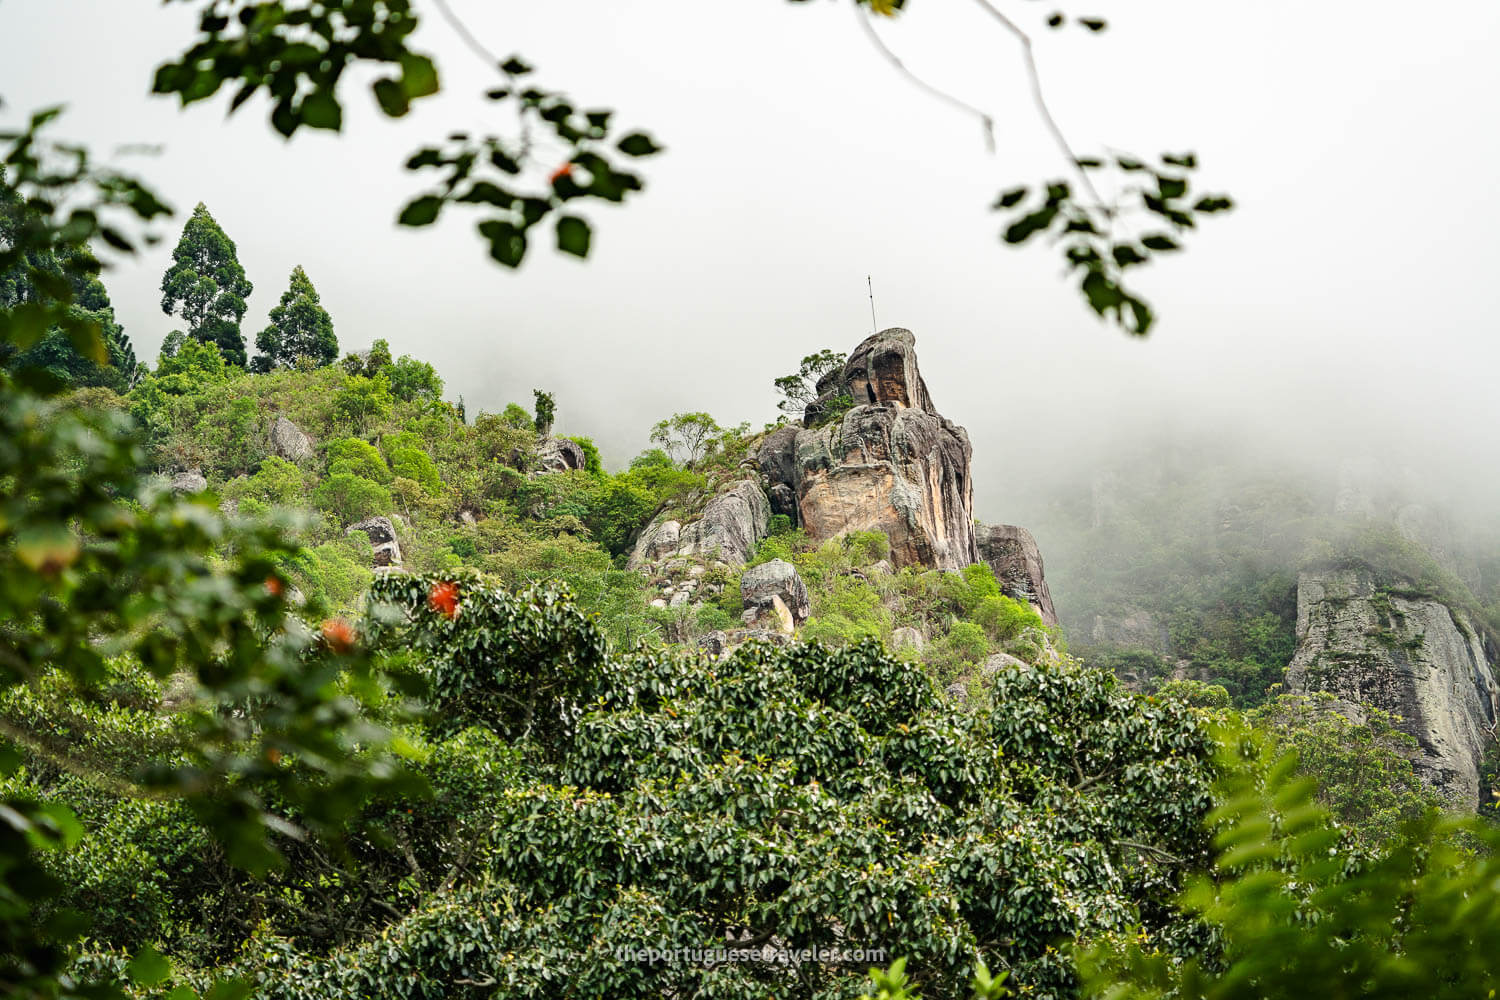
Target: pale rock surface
(779, 578)
(558, 454)
(289, 441)
(1411, 656)
(189, 481)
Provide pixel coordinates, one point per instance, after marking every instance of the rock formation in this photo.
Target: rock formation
(890, 463)
(731, 525)
(1012, 553)
(776, 579)
(385, 550)
(189, 481)
(560, 455)
(289, 441)
(1409, 655)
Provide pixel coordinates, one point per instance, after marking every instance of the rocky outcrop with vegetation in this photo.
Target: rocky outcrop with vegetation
(1406, 653)
(875, 455)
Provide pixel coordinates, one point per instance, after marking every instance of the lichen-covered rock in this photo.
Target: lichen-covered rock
(1409, 655)
(289, 441)
(385, 550)
(557, 454)
(1013, 555)
(189, 481)
(730, 527)
(779, 578)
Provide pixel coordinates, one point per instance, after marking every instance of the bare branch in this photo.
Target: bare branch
(1039, 98)
(942, 95)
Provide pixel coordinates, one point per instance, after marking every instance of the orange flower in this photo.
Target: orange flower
(273, 755)
(562, 171)
(443, 598)
(339, 635)
(274, 586)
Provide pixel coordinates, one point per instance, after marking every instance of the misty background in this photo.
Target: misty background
(1344, 310)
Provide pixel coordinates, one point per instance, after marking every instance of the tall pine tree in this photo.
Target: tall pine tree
(300, 328)
(207, 287)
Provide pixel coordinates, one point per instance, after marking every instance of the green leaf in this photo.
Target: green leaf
(1009, 198)
(638, 144)
(1159, 241)
(148, 968)
(507, 243)
(514, 67)
(419, 76)
(573, 235)
(320, 109)
(422, 211)
(1029, 225)
(392, 98)
(1171, 187)
(1094, 24)
(1213, 203)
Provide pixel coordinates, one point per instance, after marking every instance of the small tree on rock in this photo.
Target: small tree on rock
(300, 327)
(546, 410)
(207, 287)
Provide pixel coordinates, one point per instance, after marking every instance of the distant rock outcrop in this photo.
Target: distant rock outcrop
(1013, 555)
(1409, 655)
(385, 550)
(288, 441)
(890, 463)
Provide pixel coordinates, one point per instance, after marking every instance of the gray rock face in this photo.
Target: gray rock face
(907, 637)
(891, 464)
(777, 578)
(289, 441)
(385, 550)
(769, 612)
(189, 481)
(730, 527)
(560, 455)
(1012, 554)
(1408, 655)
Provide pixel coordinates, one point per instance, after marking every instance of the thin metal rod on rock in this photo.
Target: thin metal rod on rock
(874, 327)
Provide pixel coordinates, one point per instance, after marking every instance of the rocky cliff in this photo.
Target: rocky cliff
(1015, 558)
(889, 462)
(1407, 654)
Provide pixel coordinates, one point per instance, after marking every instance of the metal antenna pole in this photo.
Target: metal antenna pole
(874, 327)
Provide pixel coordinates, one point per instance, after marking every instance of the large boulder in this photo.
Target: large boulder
(729, 528)
(385, 550)
(1012, 554)
(189, 481)
(891, 463)
(560, 455)
(1412, 656)
(289, 441)
(777, 578)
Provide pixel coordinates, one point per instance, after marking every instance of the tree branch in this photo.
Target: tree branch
(942, 95)
(1039, 98)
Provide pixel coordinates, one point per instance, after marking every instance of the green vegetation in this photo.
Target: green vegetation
(207, 287)
(301, 331)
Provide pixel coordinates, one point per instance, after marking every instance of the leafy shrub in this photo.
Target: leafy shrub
(350, 498)
(357, 458)
(413, 463)
(1003, 618)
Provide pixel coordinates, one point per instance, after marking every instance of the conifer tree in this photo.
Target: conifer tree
(207, 287)
(300, 327)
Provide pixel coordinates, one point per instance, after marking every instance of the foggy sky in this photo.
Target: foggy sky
(1346, 306)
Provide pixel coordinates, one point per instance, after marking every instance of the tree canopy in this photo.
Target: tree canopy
(300, 331)
(206, 286)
